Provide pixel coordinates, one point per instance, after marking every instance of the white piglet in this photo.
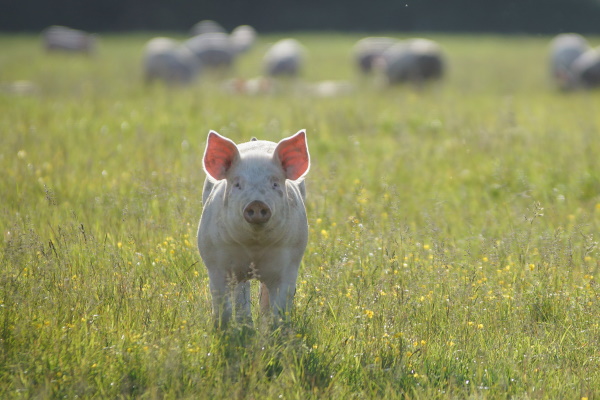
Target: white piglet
(253, 223)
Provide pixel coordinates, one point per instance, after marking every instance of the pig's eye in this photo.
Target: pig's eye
(237, 185)
(275, 185)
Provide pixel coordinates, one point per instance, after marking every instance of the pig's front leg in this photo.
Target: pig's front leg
(243, 312)
(280, 283)
(221, 293)
(222, 287)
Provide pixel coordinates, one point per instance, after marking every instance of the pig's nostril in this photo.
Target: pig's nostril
(257, 212)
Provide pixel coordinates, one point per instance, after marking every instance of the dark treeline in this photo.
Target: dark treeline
(514, 16)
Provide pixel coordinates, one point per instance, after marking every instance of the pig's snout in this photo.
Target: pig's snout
(257, 212)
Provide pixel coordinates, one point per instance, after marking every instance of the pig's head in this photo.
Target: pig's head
(257, 175)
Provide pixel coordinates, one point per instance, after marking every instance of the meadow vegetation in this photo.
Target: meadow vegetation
(453, 248)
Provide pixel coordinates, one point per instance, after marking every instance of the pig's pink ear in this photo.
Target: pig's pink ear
(220, 153)
(293, 154)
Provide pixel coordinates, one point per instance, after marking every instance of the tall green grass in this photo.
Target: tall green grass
(452, 252)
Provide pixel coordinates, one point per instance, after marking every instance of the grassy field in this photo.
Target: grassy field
(453, 231)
